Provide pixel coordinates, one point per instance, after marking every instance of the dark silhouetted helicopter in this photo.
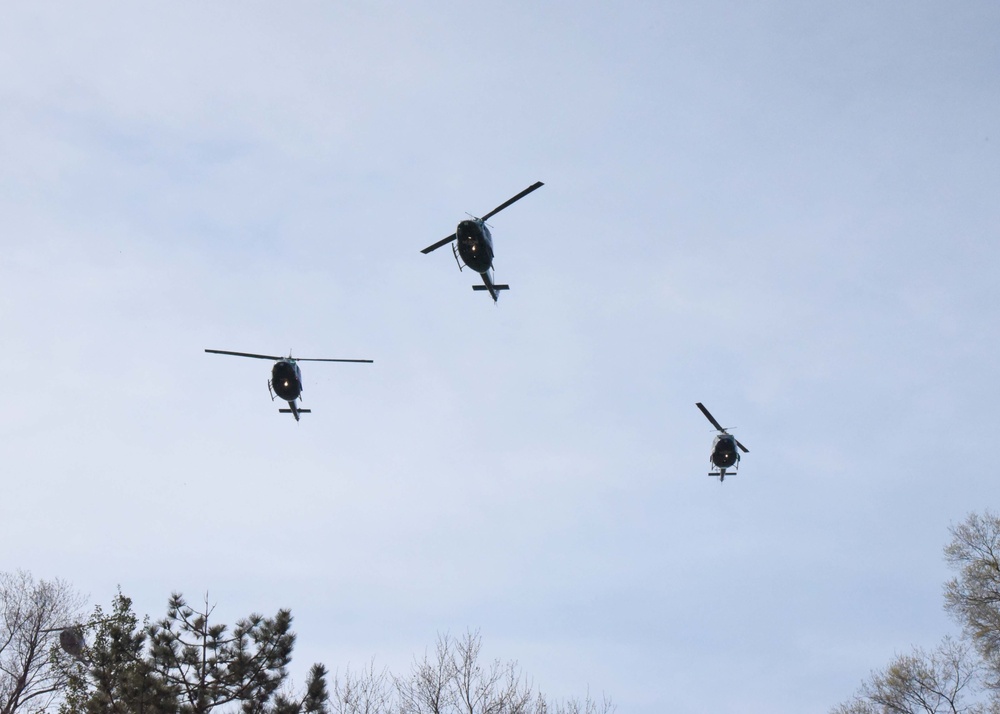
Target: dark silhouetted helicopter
(724, 454)
(475, 245)
(286, 378)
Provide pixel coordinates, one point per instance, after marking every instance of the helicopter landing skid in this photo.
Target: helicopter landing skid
(454, 251)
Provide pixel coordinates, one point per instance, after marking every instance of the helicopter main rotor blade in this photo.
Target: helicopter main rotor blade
(243, 354)
(518, 197)
(745, 449)
(314, 359)
(440, 243)
(709, 416)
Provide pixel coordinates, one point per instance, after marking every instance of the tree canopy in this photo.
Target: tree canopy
(962, 675)
(188, 663)
(32, 665)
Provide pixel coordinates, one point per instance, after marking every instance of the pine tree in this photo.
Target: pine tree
(188, 664)
(113, 675)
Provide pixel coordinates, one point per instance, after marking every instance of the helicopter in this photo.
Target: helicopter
(724, 454)
(475, 245)
(286, 377)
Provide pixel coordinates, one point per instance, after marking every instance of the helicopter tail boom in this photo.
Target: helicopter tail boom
(489, 285)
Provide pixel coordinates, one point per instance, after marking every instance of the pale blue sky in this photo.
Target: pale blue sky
(785, 211)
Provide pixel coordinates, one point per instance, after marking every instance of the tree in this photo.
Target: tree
(188, 664)
(453, 681)
(973, 597)
(959, 676)
(32, 666)
(369, 692)
(921, 682)
(113, 676)
(208, 667)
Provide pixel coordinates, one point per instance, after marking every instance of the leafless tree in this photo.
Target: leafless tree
(32, 666)
(587, 706)
(428, 688)
(368, 692)
(920, 683)
(456, 681)
(973, 597)
(960, 676)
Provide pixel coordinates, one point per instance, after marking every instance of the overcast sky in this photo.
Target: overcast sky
(787, 211)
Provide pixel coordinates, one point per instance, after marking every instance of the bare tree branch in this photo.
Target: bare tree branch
(31, 664)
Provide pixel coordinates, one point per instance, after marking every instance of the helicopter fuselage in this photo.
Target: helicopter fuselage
(724, 454)
(286, 380)
(475, 245)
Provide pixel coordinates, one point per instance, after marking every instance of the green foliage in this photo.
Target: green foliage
(114, 677)
(208, 667)
(317, 696)
(188, 664)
